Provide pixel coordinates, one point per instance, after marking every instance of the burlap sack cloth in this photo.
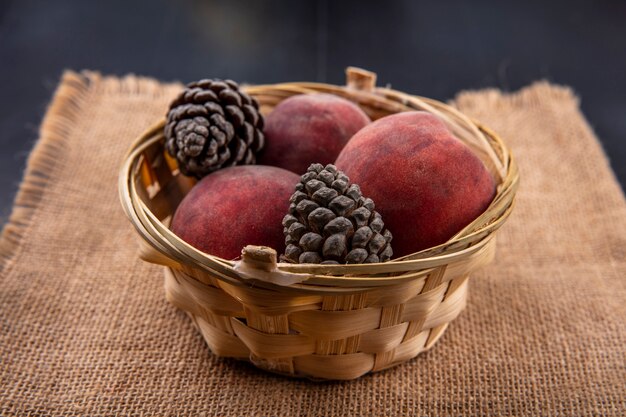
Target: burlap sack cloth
(86, 329)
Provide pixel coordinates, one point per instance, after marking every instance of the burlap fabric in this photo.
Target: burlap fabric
(86, 329)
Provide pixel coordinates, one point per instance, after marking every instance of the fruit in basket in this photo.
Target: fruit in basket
(330, 222)
(213, 124)
(427, 184)
(309, 128)
(235, 207)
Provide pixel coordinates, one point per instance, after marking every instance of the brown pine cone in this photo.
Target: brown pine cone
(330, 222)
(212, 124)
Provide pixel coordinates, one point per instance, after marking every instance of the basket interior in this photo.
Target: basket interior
(155, 188)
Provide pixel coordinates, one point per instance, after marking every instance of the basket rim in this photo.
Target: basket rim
(478, 234)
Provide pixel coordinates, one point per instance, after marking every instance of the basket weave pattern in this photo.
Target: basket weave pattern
(317, 321)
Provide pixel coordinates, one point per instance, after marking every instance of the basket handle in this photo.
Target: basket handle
(360, 79)
(260, 263)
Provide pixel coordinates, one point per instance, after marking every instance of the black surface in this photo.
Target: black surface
(433, 49)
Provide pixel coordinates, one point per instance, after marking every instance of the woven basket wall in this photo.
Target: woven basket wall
(316, 321)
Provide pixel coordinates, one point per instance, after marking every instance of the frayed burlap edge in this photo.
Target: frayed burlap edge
(43, 161)
(533, 94)
(46, 156)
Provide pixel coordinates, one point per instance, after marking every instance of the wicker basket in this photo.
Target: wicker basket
(316, 321)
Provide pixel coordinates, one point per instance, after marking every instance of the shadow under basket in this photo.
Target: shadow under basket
(316, 321)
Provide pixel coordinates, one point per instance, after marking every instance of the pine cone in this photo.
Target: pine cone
(212, 124)
(330, 222)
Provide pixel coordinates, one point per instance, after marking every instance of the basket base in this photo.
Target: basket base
(230, 330)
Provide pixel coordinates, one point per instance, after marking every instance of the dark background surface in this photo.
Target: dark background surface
(432, 49)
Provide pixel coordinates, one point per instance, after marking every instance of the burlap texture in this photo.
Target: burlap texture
(86, 329)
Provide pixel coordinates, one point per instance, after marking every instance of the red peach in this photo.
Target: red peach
(309, 128)
(235, 207)
(425, 183)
